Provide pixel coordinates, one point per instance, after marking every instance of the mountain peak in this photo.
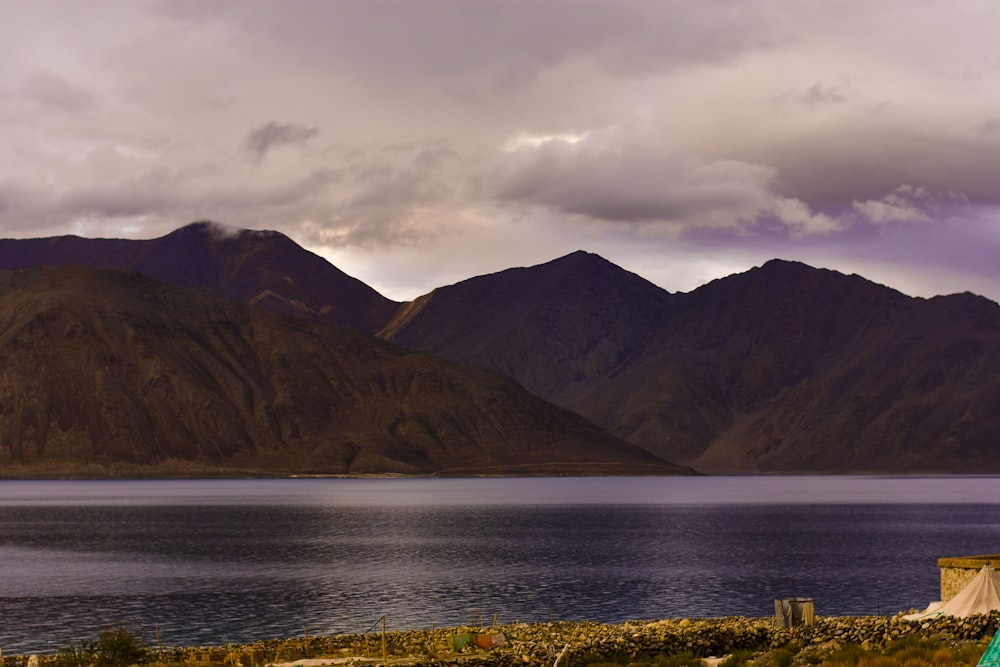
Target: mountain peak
(581, 254)
(262, 268)
(205, 227)
(219, 231)
(581, 257)
(551, 326)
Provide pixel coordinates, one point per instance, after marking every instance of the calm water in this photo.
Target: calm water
(211, 562)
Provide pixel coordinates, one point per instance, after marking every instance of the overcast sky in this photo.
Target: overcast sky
(415, 143)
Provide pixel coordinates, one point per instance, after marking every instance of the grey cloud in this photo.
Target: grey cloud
(836, 165)
(190, 12)
(652, 190)
(160, 199)
(989, 128)
(397, 194)
(815, 96)
(52, 90)
(263, 139)
(818, 94)
(158, 191)
(493, 48)
(909, 204)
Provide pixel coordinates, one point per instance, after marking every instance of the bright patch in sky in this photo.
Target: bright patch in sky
(520, 140)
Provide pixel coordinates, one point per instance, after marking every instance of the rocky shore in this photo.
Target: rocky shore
(571, 644)
(582, 643)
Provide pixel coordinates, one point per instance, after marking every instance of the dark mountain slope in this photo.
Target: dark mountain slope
(782, 368)
(108, 369)
(751, 338)
(555, 328)
(787, 368)
(919, 392)
(261, 268)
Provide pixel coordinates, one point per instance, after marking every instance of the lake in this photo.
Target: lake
(217, 561)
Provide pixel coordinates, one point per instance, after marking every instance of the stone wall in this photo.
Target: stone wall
(957, 572)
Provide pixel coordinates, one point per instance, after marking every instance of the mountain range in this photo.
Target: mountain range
(114, 373)
(783, 368)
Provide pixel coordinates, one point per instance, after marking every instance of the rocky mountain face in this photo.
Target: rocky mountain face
(560, 329)
(262, 268)
(783, 368)
(106, 372)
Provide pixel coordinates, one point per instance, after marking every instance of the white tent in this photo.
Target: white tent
(980, 596)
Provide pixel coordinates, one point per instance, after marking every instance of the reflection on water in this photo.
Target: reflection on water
(211, 562)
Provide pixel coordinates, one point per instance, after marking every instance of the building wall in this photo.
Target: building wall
(957, 572)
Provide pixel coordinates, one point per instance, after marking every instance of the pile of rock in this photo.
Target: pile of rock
(578, 643)
(569, 644)
(877, 630)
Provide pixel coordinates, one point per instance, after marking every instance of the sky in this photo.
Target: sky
(416, 143)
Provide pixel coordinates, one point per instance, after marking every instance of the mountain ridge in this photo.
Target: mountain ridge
(103, 369)
(264, 268)
(733, 376)
(781, 368)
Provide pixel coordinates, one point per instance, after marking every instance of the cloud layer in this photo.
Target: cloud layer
(415, 141)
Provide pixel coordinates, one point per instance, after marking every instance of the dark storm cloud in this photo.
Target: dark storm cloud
(260, 140)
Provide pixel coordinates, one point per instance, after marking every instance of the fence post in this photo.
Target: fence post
(385, 652)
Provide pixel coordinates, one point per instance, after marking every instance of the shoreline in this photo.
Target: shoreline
(531, 644)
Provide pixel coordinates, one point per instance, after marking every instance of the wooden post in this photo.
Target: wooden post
(159, 644)
(560, 656)
(496, 616)
(385, 651)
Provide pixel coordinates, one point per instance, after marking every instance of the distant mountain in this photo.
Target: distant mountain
(262, 268)
(818, 371)
(113, 373)
(559, 328)
(784, 368)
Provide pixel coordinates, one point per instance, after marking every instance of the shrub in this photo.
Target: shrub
(77, 656)
(848, 654)
(686, 659)
(811, 657)
(119, 647)
(115, 647)
(781, 657)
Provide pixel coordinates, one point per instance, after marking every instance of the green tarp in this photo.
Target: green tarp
(992, 656)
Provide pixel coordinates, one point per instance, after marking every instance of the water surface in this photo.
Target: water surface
(211, 562)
